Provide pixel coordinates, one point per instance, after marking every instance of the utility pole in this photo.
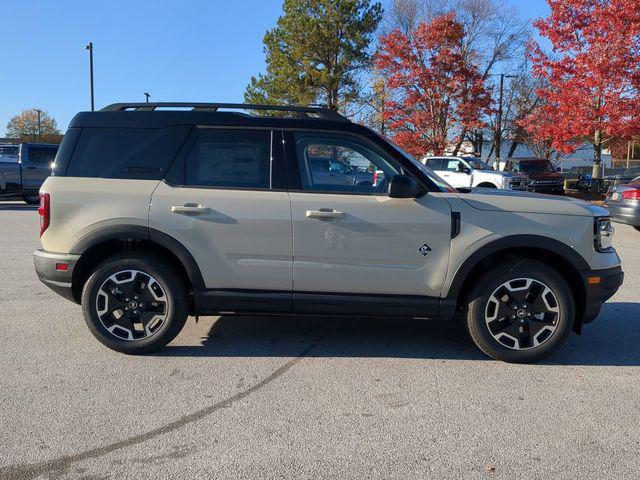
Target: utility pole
(147, 95)
(90, 48)
(39, 123)
(498, 134)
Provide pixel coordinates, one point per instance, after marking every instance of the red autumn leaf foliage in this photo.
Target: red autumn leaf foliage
(434, 92)
(592, 75)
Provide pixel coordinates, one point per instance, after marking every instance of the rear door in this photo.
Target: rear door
(225, 200)
(36, 162)
(354, 246)
(9, 169)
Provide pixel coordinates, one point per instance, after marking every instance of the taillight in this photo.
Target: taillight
(631, 194)
(44, 210)
(375, 179)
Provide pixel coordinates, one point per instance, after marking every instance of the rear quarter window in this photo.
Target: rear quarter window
(128, 153)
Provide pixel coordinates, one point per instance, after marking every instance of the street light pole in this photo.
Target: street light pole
(90, 48)
(39, 123)
(147, 95)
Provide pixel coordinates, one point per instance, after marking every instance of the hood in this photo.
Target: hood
(502, 173)
(528, 202)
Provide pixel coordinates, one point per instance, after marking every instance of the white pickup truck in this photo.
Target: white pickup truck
(469, 172)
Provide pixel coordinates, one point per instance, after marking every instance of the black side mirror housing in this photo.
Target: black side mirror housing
(404, 186)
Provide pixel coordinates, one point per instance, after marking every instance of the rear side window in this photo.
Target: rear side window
(42, 155)
(131, 153)
(230, 158)
(435, 163)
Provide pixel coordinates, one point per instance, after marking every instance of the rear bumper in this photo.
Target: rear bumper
(629, 214)
(598, 293)
(60, 281)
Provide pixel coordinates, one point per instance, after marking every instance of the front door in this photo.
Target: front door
(354, 241)
(222, 205)
(454, 175)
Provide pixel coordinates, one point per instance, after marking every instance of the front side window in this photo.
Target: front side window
(230, 158)
(42, 155)
(455, 165)
(335, 163)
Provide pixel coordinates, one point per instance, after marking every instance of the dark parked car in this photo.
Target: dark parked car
(23, 169)
(543, 178)
(623, 201)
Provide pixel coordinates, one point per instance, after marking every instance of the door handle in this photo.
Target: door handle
(190, 208)
(324, 213)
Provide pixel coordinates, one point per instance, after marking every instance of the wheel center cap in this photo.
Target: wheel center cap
(133, 304)
(521, 313)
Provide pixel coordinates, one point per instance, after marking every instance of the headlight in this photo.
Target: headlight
(603, 234)
(506, 183)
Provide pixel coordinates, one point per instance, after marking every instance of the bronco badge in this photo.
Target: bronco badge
(424, 249)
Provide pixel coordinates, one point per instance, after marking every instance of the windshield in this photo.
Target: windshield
(478, 164)
(444, 186)
(534, 166)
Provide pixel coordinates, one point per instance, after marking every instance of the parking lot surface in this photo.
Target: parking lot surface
(300, 397)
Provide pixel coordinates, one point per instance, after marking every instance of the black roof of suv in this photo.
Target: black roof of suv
(158, 115)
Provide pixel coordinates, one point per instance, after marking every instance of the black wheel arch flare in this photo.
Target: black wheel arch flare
(133, 233)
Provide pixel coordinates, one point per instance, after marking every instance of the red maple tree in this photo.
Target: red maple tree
(434, 93)
(592, 76)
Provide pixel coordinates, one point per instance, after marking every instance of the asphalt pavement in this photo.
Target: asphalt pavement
(300, 397)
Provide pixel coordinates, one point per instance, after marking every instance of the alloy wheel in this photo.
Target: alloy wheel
(132, 305)
(522, 313)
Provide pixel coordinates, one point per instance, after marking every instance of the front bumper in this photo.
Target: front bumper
(610, 280)
(553, 189)
(60, 281)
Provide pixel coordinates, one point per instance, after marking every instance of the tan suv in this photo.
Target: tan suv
(153, 215)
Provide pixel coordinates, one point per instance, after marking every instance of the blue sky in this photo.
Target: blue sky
(190, 50)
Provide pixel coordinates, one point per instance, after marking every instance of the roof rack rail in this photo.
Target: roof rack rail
(305, 112)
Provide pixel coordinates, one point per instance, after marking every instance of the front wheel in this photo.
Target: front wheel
(520, 312)
(134, 303)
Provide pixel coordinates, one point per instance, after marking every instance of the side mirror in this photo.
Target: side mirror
(404, 186)
(462, 168)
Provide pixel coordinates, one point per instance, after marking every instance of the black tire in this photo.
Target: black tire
(504, 348)
(172, 290)
(31, 200)
(486, 185)
(637, 228)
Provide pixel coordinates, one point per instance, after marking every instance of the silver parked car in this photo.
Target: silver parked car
(623, 201)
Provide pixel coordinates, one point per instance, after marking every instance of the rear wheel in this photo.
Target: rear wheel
(520, 312)
(134, 303)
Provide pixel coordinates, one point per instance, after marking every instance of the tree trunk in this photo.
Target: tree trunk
(597, 155)
(459, 142)
(512, 149)
(478, 140)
